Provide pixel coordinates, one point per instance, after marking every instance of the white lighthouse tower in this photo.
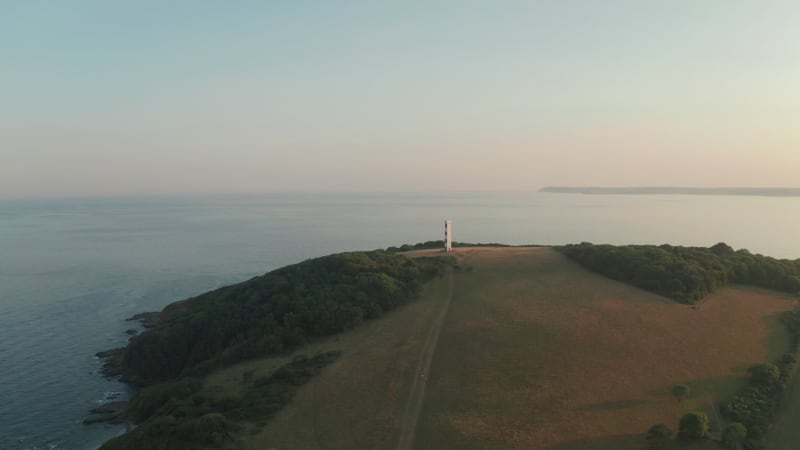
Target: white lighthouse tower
(448, 235)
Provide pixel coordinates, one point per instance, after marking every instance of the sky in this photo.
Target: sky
(112, 97)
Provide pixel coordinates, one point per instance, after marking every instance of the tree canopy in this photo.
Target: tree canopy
(734, 435)
(658, 435)
(685, 274)
(262, 316)
(764, 374)
(273, 312)
(679, 391)
(693, 425)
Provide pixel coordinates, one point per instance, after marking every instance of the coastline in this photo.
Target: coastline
(670, 190)
(115, 411)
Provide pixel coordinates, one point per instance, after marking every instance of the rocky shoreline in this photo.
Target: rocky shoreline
(112, 363)
(112, 359)
(146, 319)
(115, 412)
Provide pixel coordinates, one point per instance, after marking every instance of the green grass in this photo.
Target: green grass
(358, 400)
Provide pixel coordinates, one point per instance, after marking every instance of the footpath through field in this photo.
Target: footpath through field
(408, 428)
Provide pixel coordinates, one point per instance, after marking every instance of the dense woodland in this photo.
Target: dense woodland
(177, 415)
(263, 316)
(273, 312)
(686, 274)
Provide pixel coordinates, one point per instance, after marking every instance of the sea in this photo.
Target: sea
(73, 270)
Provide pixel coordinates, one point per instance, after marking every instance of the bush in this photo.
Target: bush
(734, 435)
(757, 404)
(658, 435)
(693, 426)
(182, 418)
(679, 391)
(149, 400)
(767, 374)
(659, 431)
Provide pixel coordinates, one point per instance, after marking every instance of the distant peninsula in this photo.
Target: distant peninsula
(650, 190)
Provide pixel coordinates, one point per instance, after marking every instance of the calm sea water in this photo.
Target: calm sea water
(72, 271)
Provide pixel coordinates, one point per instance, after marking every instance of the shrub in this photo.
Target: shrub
(734, 435)
(658, 435)
(679, 391)
(766, 374)
(693, 425)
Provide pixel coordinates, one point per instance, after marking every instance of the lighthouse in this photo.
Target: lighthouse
(448, 235)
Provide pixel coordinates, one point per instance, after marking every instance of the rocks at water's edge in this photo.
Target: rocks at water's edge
(112, 413)
(112, 359)
(147, 319)
(112, 362)
(115, 412)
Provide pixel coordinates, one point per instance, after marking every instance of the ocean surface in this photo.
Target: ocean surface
(72, 271)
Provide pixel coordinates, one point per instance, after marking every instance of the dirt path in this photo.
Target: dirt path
(408, 427)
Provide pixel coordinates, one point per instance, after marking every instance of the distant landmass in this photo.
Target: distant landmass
(645, 190)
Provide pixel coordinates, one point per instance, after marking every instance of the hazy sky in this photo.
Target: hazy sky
(138, 97)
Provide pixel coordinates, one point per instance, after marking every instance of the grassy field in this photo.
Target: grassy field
(358, 401)
(534, 353)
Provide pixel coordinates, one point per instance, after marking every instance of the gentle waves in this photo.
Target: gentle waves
(72, 270)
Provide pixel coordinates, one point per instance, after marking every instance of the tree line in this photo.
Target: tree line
(273, 312)
(755, 407)
(438, 244)
(751, 411)
(177, 414)
(685, 274)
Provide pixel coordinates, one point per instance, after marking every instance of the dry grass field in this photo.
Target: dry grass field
(537, 353)
(534, 353)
